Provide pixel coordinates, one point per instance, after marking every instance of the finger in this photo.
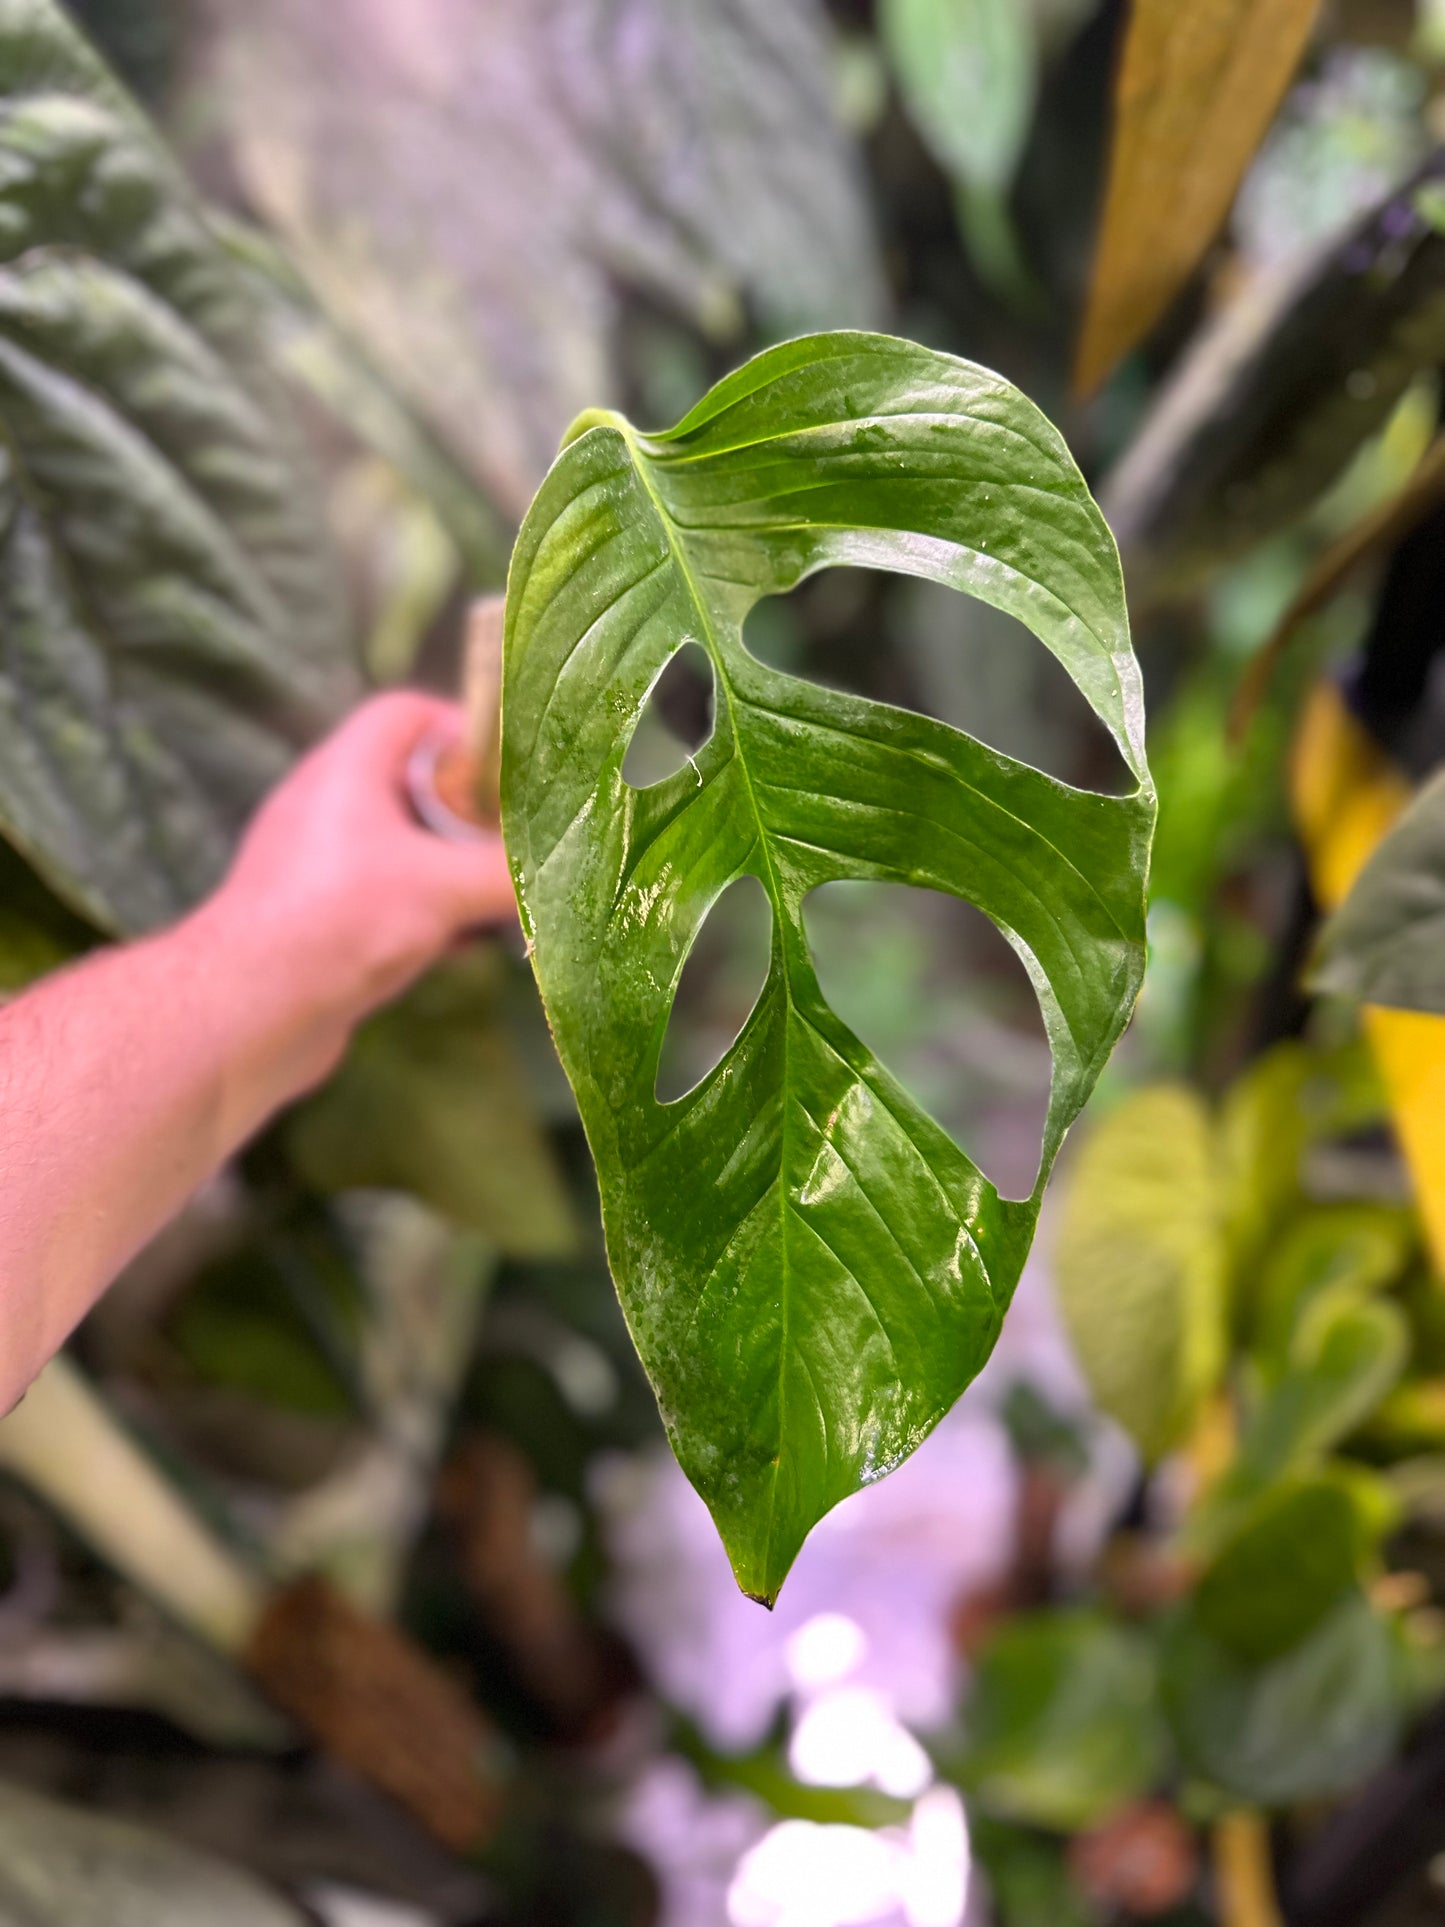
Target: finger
(387, 728)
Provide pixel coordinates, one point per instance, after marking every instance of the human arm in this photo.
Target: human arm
(127, 1079)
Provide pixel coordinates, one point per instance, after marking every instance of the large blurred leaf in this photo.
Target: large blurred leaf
(1141, 1264)
(1297, 1554)
(308, 345)
(1062, 1722)
(173, 630)
(968, 70)
(1312, 1723)
(432, 1099)
(1386, 943)
(1197, 87)
(812, 1270)
(1278, 394)
(468, 186)
(61, 1866)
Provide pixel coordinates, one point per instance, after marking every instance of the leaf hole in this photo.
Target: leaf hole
(676, 719)
(720, 984)
(939, 653)
(939, 996)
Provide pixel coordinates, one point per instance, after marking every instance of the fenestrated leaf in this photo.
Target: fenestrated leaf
(1276, 396)
(1142, 1265)
(431, 1099)
(173, 630)
(1386, 942)
(686, 149)
(812, 1270)
(1197, 87)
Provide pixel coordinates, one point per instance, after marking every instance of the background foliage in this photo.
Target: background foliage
(275, 388)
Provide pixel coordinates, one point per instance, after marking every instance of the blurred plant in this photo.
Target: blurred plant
(1232, 1291)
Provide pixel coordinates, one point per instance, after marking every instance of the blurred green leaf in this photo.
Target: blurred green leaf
(1307, 1725)
(1028, 1877)
(1141, 1264)
(1279, 392)
(431, 1099)
(685, 149)
(1386, 942)
(280, 1320)
(174, 627)
(1298, 1554)
(812, 1269)
(1335, 1254)
(1062, 1725)
(309, 345)
(1342, 1362)
(1287, 1100)
(968, 72)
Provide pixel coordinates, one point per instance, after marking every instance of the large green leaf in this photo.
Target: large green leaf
(687, 150)
(812, 1270)
(1142, 1265)
(1062, 1721)
(173, 630)
(1305, 1725)
(1386, 942)
(1297, 1554)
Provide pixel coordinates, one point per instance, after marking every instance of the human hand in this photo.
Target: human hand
(339, 892)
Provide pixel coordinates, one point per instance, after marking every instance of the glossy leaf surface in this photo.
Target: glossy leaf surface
(173, 630)
(1196, 90)
(812, 1270)
(1386, 943)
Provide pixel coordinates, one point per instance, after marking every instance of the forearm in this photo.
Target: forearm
(124, 1082)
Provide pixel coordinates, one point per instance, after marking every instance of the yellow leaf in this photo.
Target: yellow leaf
(1197, 88)
(1346, 794)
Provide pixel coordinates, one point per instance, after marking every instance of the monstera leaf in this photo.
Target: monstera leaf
(173, 630)
(811, 1268)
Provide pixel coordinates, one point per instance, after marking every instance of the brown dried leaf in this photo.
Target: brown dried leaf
(1196, 90)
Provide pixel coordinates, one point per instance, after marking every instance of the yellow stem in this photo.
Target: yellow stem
(1244, 1873)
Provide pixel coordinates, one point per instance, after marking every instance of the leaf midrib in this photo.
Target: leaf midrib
(714, 648)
